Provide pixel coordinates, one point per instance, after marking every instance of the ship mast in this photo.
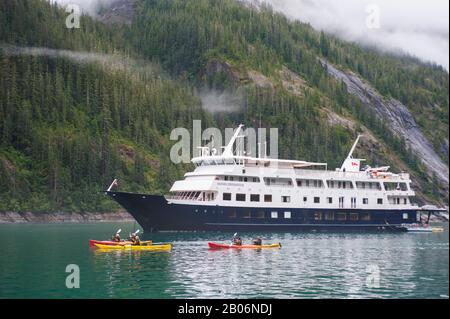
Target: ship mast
(228, 151)
(352, 164)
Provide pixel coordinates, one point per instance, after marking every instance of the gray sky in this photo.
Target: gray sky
(417, 27)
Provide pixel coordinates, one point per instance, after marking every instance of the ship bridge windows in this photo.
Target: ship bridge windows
(340, 184)
(392, 186)
(240, 197)
(310, 183)
(215, 162)
(245, 179)
(272, 181)
(398, 200)
(186, 195)
(254, 197)
(226, 196)
(368, 185)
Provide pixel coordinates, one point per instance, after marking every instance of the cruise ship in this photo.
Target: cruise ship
(234, 192)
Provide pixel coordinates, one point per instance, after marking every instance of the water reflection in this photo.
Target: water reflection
(131, 273)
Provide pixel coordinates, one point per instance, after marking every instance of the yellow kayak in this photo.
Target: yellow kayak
(161, 247)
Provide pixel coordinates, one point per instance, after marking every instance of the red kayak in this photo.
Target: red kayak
(92, 242)
(228, 246)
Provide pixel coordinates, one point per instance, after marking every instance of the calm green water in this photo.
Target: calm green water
(33, 260)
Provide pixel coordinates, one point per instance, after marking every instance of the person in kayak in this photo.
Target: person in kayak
(116, 238)
(257, 241)
(135, 240)
(237, 240)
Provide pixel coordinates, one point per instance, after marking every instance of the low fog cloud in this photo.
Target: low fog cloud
(112, 62)
(215, 101)
(90, 7)
(416, 27)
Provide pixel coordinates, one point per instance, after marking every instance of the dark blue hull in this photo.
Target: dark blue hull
(154, 213)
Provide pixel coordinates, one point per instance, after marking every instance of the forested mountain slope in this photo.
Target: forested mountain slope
(69, 125)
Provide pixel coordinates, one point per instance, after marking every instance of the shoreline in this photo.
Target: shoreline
(61, 217)
(119, 216)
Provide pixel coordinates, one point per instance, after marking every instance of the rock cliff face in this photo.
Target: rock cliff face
(397, 116)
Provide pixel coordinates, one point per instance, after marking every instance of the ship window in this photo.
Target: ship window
(286, 199)
(330, 200)
(268, 198)
(405, 215)
(274, 214)
(287, 215)
(255, 180)
(226, 196)
(405, 201)
(278, 181)
(341, 216)
(354, 216)
(316, 200)
(254, 198)
(240, 197)
(232, 214)
(365, 216)
(305, 199)
(379, 201)
(226, 178)
(260, 214)
(329, 216)
(246, 214)
(315, 183)
(317, 216)
(365, 201)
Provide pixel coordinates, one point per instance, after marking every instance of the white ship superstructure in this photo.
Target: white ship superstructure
(235, 180)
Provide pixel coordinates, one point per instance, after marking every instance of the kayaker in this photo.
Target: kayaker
(257, 241)
(135, 239)
(116, 238)
(237, 240)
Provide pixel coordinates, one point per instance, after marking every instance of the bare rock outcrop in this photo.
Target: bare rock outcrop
(398, 117)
